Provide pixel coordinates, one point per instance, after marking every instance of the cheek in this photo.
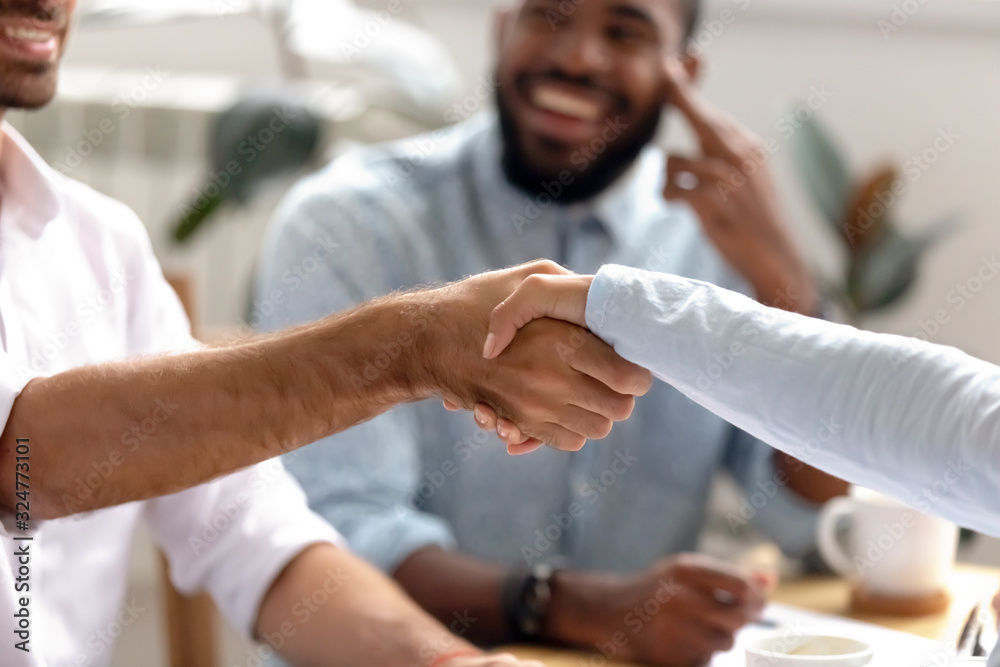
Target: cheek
(645, 87)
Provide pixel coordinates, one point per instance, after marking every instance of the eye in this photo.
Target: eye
(622, 34)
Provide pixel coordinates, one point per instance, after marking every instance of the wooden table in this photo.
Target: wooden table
(829, 595)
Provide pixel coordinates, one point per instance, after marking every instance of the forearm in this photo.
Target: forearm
(809, 483)
(787, 286)
(158, 425)
(882, 411)
(330, 608)
(461, 591)
(455, 588)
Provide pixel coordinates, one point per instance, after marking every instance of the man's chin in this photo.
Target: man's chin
(27, 91)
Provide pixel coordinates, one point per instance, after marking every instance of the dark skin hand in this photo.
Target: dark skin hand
(675, 613)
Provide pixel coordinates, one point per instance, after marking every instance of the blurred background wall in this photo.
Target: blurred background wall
(886, 94)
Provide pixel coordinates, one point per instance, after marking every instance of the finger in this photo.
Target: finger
(559, 437)
(722, 618)
(767, 580)
(595, 358)
(727, 583)
(711, 126)
(509, 432)
(558, 297)
(591, 425)
(485, 416)
(707, 170)
(526, 447)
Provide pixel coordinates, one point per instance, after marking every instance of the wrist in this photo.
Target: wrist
(793, 291)
(410, 342)
(579, 607)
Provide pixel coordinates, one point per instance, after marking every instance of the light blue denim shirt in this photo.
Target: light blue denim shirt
(438, 208)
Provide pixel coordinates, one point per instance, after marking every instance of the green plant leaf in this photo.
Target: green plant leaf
(882, 276)
(823, 170)
(259, 139)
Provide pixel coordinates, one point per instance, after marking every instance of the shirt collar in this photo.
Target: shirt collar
(634, 196)
(27, 185)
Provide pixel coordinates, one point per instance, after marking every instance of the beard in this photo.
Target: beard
(588, 182)
(27, 85)
(27, 89)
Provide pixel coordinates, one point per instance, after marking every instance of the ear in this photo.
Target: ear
(693, 65)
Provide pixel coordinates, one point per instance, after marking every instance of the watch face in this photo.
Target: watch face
(534, 603)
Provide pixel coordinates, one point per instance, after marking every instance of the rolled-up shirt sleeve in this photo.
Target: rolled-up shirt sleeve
(918, 421)
(234, 536)
(13, 378)
(767, 502)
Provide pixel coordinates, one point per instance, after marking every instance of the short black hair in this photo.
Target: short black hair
(693, 8)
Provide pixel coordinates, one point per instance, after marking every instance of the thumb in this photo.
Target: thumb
(558, 297)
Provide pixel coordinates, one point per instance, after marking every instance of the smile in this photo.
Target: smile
(556, 100)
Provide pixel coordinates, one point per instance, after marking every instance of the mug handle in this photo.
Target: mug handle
(829, 546)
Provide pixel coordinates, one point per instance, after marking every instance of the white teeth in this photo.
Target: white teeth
(566, 104)
(29, 34)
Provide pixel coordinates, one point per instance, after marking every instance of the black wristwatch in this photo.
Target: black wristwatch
(526, 600)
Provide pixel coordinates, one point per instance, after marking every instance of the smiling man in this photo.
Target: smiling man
(567, 549)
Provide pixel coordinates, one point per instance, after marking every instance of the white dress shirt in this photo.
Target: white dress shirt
(78, 285)
(914, 420)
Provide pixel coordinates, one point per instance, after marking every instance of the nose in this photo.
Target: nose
(579, 54)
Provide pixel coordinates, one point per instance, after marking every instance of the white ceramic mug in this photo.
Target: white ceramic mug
(808, 651)
(892, 549)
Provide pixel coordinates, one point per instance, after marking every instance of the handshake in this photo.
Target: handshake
(541, 377)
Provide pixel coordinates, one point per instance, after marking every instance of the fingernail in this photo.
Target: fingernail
(491, 342)
(502, 432)
(480, 417)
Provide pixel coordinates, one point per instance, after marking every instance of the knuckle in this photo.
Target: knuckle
(546, 266)
(534, 281)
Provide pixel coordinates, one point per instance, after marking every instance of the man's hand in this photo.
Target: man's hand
(561, 297)
(560, 384)
(676, 613)
(731, 189)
